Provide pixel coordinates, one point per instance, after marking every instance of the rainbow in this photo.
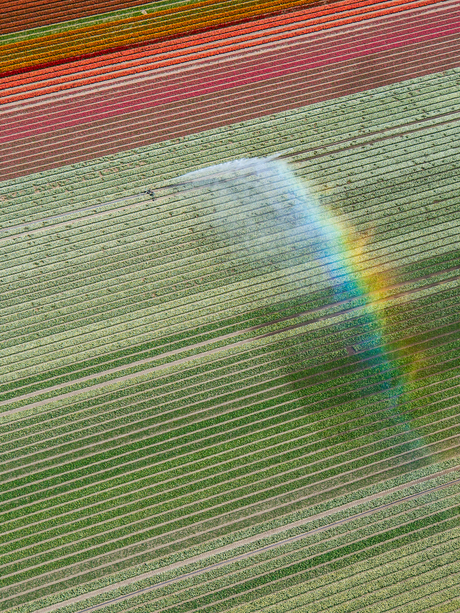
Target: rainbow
(256, 183)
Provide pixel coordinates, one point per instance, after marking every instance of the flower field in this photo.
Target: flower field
(188, 425)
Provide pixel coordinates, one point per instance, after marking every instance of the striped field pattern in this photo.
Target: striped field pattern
(192, 417)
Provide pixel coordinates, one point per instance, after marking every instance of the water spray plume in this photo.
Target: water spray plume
(260, 203)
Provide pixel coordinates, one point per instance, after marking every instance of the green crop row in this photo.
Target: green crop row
(121, 309)
(273, 411)
(101, 359)
(53, 280)
(124, 405)
(197, 370)
(228, 360)
(294, 380)
(349, 494)
(246, 340)
(63, 348)
(172, 296)
(236, 325)
(205, 307)
(175, 237)
(193, 350)
(296, 426)
(192, 354)
(259, 564)
(193, 510)
(425, 203)
(172, 342)
(222, 599)
(132, 293)
(241, 425)
(303, 340)
(366, 163)
(398, 591)
(376, 572)
(400, 208)
(311, 598)
(138, 476)
(211, 481)
(322, 563)
(186, 403)
(109, 232)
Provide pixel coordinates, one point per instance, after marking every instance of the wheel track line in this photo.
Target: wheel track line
(213, 486)
(274, 391)
(254, 539)
(448, 347)
(284, 442)
(183, 531)
(203, 301)
(220, 382)
(261, 574)
(263, 418)
(193, 504)
(309, 453)
(159, 367)
(257, 386)
(329, 315)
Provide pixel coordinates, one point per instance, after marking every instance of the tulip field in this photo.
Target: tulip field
(190, 420)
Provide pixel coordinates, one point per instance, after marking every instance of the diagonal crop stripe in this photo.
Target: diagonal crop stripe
(229, 330)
